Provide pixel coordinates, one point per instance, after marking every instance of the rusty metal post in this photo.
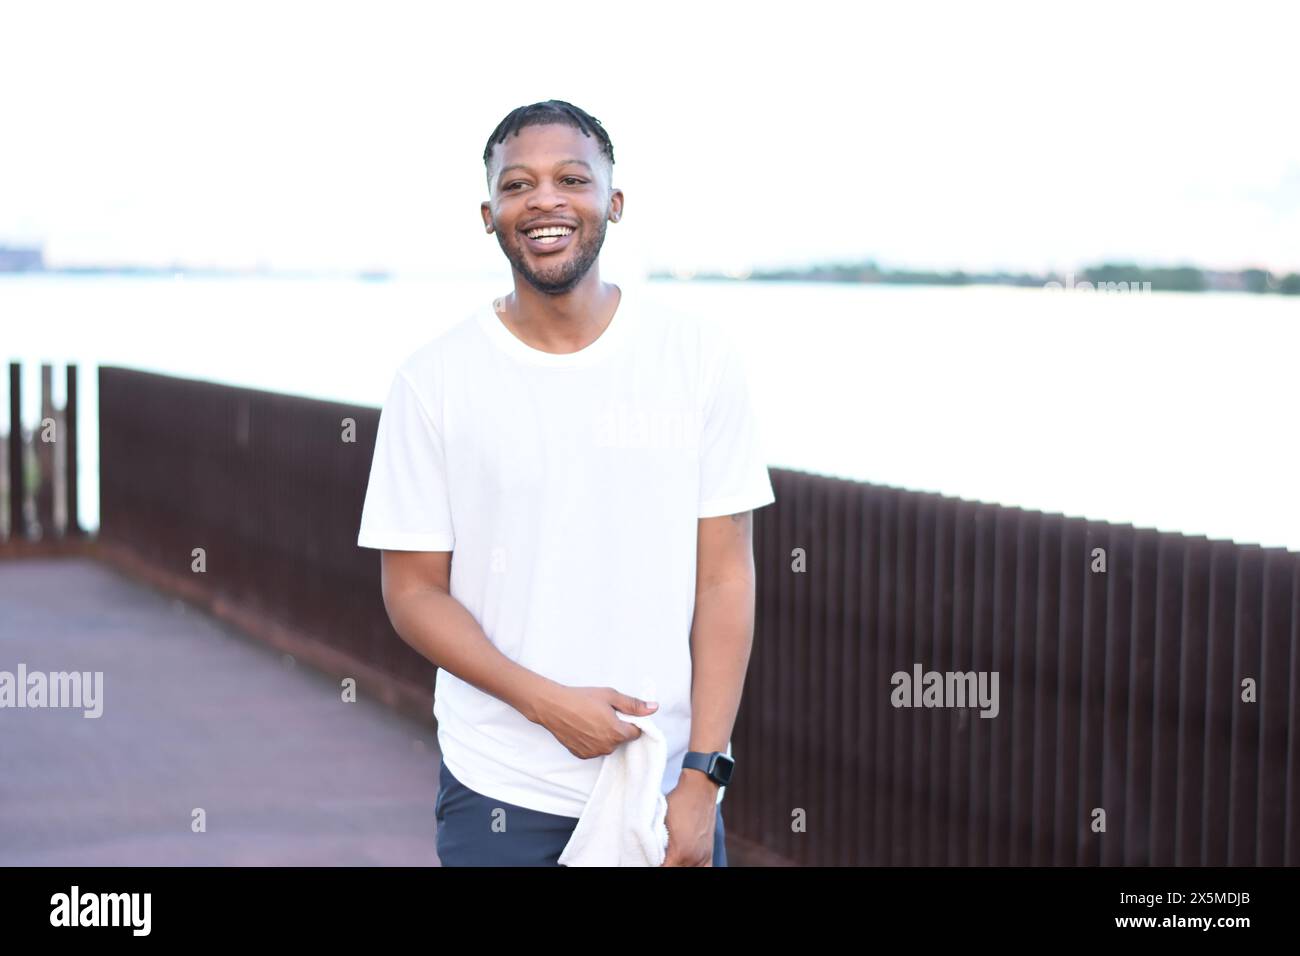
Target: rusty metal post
(17, 516)
(73, 527)
(43, 449)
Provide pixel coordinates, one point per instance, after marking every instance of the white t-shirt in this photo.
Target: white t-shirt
(569, 487)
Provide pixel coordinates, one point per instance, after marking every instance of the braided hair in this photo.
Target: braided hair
(547, 112)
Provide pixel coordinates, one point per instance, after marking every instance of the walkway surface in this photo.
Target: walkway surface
(195, 715)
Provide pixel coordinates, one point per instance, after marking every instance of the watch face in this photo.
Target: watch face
(723, 767)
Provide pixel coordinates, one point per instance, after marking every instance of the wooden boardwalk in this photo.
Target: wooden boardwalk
(195, 716)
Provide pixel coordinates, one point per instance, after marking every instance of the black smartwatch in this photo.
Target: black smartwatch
(717, 766)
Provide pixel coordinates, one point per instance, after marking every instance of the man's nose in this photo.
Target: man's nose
(545, 197)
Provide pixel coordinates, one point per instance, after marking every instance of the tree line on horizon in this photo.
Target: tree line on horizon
(1161, 278)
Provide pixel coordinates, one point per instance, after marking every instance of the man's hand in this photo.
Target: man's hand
(692, 819)
(585, 719)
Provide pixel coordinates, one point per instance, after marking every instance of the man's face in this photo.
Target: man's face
(550, 175)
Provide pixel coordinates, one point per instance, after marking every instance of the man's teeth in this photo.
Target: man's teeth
(549, 234)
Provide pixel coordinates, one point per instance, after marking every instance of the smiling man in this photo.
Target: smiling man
(561, 490)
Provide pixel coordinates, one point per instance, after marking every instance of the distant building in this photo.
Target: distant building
(20, 259)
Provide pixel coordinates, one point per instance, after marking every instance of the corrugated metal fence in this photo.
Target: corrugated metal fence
(1147, 684)
(1121, 690)
(266, 486)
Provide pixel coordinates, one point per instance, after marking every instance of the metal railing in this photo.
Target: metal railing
(1121, 689)
(1147, 689)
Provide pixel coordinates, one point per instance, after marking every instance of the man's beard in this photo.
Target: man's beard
(562, 277)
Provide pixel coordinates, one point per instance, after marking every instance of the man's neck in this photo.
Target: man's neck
(560, 324)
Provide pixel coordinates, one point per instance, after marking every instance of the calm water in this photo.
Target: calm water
(1169, 411)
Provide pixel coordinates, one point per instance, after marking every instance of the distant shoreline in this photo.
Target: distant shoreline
(182, 272)
(1106, 277)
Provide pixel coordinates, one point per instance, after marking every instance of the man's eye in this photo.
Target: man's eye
(567, 179)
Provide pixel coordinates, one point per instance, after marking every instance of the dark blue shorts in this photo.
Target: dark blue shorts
(531, 838)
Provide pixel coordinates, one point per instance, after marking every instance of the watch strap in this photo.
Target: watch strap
(718, 770)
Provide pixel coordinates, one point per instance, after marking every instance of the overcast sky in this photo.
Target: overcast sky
(350, 135)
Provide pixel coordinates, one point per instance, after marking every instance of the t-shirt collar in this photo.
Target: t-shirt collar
(615, 332)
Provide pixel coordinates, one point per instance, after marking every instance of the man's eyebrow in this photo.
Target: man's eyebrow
(564, 162)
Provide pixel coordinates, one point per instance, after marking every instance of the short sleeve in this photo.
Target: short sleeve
(733, 466)
(407, 507)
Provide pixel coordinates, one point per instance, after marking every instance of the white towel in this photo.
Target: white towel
(623, 821)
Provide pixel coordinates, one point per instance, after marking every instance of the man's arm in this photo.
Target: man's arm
(722, 634)
(417, 596)
(721, 637)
